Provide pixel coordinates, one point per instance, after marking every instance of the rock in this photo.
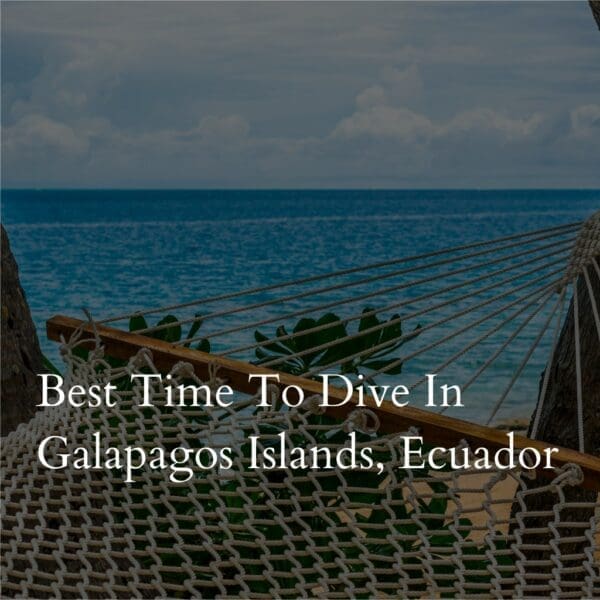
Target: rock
(21, 355)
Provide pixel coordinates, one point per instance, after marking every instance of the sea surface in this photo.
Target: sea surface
(115, 251)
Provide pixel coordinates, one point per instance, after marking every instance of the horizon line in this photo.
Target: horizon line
(297, 189)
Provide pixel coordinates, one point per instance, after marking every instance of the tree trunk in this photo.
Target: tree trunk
(559, 425)
(595, 6)
(21, 355)
(558, 421)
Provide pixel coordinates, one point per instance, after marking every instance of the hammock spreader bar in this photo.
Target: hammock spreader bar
(434, 427)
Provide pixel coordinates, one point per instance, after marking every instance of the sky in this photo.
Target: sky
(300, 95)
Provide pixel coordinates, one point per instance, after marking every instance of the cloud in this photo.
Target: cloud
(398, 86)
(377, 143)
(485, 122)
(381, 112)
(374, 95)
(382, 121)
(404, 86)
(39, 134)
(343, 94)
(585, 121)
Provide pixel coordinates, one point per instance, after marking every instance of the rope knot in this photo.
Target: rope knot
(182, 369)
(314, 405)
(358, 420)
(213, 369)
(142, 358)
(587, 246)
(571, 474)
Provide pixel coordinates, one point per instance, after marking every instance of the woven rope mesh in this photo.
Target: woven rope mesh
(245, 532)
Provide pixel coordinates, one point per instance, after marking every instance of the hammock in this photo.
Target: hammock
(332, 533)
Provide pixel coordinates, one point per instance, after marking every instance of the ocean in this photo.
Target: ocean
(115, 251)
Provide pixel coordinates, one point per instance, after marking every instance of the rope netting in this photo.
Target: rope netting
(246, 532)
(490, 314)
(484, 314)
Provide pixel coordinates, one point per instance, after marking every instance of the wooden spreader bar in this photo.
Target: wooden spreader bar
(436, 428)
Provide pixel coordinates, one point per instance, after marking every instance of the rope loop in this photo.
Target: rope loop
(363, 420)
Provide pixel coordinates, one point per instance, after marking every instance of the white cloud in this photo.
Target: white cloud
(585, 121)
(39, 134)
(484, 121)
(381, 114)
(386, 122)
(374, 95)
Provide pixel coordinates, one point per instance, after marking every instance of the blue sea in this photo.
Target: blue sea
(115, 251)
